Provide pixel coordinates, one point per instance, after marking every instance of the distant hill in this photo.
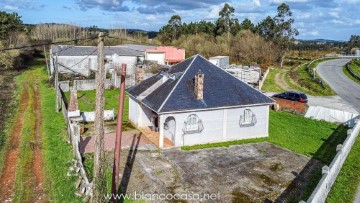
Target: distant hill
(320, 40)
(151, 34)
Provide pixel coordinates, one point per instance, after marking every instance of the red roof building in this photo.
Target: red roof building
(165, 55)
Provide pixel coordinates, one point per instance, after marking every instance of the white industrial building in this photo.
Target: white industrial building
(221, 61)
(196, 102)
(82, 60)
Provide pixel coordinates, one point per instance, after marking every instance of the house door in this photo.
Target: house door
(170, 128)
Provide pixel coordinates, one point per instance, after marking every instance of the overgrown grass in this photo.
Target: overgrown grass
(348, 180)
(12, 112)
(57, 154)
(299, 79)
(269, 84)
(355, 66)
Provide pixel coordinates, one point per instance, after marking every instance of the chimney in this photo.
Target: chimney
(199, 86)
(139, 75)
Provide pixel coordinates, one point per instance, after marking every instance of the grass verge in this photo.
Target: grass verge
(348, 180)
(355, 67)
(57, 154)
(299, 79)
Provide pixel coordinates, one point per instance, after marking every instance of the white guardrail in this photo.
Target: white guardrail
(330, 173)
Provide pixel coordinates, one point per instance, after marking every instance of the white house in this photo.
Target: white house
(81, 60)
(196, 102)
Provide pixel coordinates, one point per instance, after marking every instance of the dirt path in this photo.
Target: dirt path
(13, 156)
(280, 81)
(7, 178)
(38, 162)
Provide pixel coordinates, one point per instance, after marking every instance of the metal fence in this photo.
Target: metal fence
(330, 173)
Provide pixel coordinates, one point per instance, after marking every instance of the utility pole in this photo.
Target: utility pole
(56, 78)
(99, 180)
(115, 178)
(47, 63)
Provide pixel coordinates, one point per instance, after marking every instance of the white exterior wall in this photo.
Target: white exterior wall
(220, 125)
(139, 115)
(84, 66)
(159, 57)
(133, 111)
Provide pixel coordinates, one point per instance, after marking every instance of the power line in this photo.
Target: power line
(46, 44)
(70, 68)
(70, 46)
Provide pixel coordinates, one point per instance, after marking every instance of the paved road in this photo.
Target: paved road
(331, 71)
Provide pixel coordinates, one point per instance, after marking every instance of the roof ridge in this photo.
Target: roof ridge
(236, 78)
(187, 68)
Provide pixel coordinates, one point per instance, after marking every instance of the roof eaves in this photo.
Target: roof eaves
(217, 108)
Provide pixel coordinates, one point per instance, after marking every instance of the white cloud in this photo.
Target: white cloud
(257, 2)
(334, 14)
(289, 1)
(11, 8)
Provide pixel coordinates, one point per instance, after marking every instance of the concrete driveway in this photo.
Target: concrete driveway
(331, 71)
(258, 172)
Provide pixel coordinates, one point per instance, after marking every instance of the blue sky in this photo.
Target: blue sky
(328, 19)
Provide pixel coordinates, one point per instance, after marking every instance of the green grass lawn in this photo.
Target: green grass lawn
(346, 184)
(355, 67)
(298, 78)
(87, 101)
(57, 153)
(305, 136)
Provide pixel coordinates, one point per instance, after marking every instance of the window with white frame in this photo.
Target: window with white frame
(193, 124)
(247, 118)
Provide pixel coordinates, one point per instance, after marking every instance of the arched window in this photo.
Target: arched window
(247, 118)
(193, 124)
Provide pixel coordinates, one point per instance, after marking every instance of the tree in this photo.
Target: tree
(172, 30)
(353, 43)
(267, 28)
(285, 33)
(9, 23)
(226, 23)
(247, 25)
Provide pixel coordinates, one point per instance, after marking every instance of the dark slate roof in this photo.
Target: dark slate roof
(158, 96)
(138, 47)
(221, 89)
(181, 67)
(66, 50)
(144, 85)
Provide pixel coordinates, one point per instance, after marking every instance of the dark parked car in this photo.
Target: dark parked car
(294, 96)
